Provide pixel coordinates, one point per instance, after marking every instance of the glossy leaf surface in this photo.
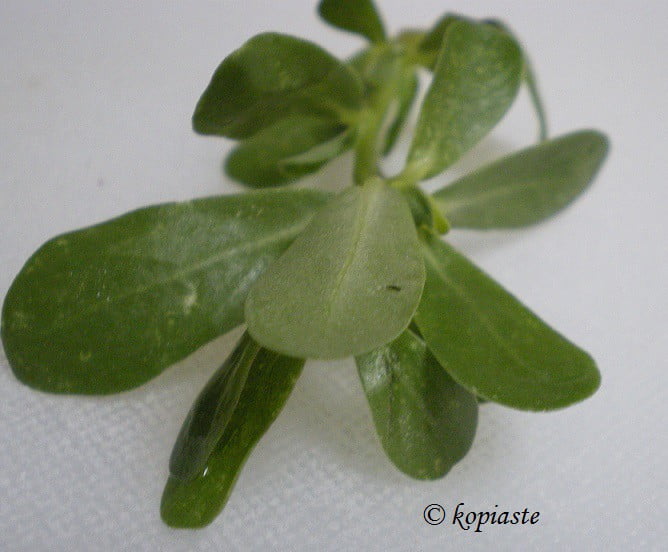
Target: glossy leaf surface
(425, 420)
(271, 77)
(349, 283)
(476, 79)
(493, 345)
(197, 502)
(260, 161)
(357, 16)
(526, 187)
(213, 409)
(106, 308)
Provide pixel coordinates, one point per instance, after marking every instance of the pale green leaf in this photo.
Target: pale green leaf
(349, 283)
(493, 345)
(526, 187)
(476, 79)
(425, 420)
(271, 77)
(106, 308)
(197, 502)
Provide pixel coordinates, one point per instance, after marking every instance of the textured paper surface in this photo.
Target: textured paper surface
(96, 102)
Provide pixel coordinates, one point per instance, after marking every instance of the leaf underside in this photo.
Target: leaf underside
(349, 283)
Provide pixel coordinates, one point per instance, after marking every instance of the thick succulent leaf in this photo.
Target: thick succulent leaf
(260, 161)
(356, 16)
(493, 345)
(195, 503)
(526, 187)
(476, 79)
(271, 77)
(425, 420)
(349, 283)
(213, 409)
(106, 308)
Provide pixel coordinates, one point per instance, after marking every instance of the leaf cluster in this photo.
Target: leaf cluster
(359, 273)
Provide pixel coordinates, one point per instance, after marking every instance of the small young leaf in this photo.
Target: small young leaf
(356, 16)
(107, 308)
(526, 187)
(493, 345)
(407, 92)
(197, 502)
(430, 45)
(476, 78)
(211, 412)
(271, 77)
(260, 160)
(349, 283)
(425, 421)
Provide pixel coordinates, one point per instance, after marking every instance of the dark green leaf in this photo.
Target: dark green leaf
(211, 412)
(475, 81)
(197, 502)
(357, 16)
(107, 308)
(526, 187)
(260, 161)
(426, 421)
(493, 345)
(271, 77)
(349, 283)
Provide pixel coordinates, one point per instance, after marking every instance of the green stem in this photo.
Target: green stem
(371, 125)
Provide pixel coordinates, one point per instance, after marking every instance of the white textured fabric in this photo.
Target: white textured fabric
(96, 99)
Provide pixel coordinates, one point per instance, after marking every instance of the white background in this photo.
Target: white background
(96, 99)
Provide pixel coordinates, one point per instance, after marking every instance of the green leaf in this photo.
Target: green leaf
(109, 307)
(271, 77)
(532, 86)
(430, 46)
(491, 344)
(213, 409)
(475, 81)
(349, 283)
(407, 91)
(197, 502)
(426, 213)
(526, 187)
(356, 16)
(425, 421)
(260, 161)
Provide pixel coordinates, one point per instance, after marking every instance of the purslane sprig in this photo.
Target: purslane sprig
(313, 274)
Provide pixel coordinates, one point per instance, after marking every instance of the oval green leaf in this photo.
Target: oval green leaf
(493, 345)
(526, 187)
(349, 283)
(271, 77)
(425, 420)
(356, 16)
(213, 409)
(195, 503)
(264, 159)
(406, 94)
(476, 78)
(107, 308)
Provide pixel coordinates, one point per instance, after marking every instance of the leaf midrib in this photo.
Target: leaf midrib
(182, 273)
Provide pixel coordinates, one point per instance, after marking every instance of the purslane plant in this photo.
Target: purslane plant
(312, 274)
